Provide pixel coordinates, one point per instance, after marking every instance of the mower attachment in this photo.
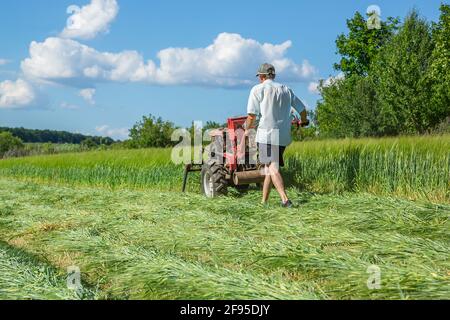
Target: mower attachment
(187, 169)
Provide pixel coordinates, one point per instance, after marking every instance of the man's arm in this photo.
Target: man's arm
(299, 107)
(253, 110)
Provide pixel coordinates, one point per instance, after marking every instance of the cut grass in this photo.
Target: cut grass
(165, 245)
(26, 278)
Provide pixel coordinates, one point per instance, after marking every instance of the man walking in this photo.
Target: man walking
(273, 103)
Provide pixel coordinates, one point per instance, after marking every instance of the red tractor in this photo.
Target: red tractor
(223, 168)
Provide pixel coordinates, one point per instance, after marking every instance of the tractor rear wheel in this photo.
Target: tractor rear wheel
(214, 183)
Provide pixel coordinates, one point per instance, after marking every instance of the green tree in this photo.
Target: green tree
(348, 108)
(440, 69)
(9, 143)
(89, 143)
(361, 46)
(400, 77)
(151, 132)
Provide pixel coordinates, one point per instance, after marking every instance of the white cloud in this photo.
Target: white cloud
(90, 20)
(313, 87)
(16, 94)
(229, 62)
(105, 130)
(4, 62)
(88, 95)
(68, 106)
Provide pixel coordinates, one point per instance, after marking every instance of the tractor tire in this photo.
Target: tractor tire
(213, 180)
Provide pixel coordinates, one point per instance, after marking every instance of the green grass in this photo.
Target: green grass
(165, 245)
(25, 277)
(120, 217)
(411, 167)
(116, 168)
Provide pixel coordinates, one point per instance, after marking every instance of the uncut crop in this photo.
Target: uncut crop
(413, 167)
(127, 168)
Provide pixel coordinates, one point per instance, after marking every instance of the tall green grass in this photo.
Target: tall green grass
(414, 167)
(113, 168)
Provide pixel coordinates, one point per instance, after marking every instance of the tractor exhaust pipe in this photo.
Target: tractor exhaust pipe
(248, 177)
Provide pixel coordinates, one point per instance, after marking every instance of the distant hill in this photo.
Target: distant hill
(45, 136)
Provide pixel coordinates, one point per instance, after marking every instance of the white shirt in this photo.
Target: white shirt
(274, 102)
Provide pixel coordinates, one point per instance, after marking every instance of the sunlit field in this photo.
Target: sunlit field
(120, 217)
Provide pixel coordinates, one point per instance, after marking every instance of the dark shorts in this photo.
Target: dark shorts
(269, 154)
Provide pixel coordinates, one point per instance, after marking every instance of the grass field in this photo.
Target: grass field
(119, 216)
(412, 167)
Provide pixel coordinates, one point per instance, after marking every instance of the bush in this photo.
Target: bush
(9, 143)
(348, 109)
(88, 144)
(151, 132)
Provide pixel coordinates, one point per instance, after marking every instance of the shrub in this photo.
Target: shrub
(8, 143)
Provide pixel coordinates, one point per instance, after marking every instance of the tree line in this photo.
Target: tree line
(395, 80)
(58, 137)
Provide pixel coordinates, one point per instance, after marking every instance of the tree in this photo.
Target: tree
(8, 143)
(439, 71)
(400, 77)
(348, 108)
(89, 143)
(361, 46)
(151, 132)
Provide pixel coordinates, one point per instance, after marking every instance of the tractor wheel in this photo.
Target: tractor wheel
(214, 181)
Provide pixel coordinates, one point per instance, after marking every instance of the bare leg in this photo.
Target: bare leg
(278, 182)
(267, 187)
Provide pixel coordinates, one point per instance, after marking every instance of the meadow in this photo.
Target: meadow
(120, 216)
(412, 167)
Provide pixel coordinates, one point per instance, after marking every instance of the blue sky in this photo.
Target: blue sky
(97, 78)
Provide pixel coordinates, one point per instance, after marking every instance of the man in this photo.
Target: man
(273, 103)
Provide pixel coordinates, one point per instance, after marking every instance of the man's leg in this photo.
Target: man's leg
(278, 182)
(267, 186)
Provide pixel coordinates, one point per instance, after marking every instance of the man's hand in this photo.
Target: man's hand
(250, 123)
(304, 117)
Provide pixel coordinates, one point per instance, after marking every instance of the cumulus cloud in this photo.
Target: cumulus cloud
(105, 130)
(16, 94)
(90, 20)
(88, 95)
(313, 86)
(230, 61)
(4, 62)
